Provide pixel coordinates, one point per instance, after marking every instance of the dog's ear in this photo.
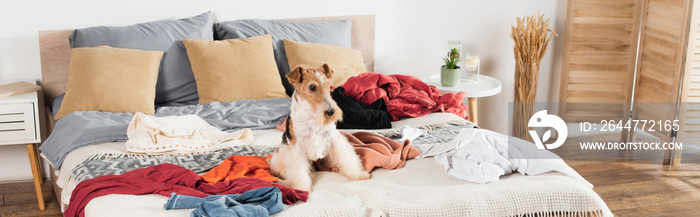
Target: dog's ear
(295, 76)
(327, 70)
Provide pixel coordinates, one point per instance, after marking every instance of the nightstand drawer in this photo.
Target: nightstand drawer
(17, 122)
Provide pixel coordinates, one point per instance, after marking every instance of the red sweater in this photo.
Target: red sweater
(405, 95)
(164, 179)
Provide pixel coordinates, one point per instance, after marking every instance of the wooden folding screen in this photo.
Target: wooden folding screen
(603, 63)
(661, 61)
(689, 112)
(600, 48)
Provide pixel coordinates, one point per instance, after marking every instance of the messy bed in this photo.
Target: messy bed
(425, 157)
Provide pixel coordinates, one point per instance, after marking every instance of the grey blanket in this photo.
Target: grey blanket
(82, 128)
(198, 163)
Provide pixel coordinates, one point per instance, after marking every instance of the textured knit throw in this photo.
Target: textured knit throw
(377, 151)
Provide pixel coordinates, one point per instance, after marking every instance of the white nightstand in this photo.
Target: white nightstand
(20, 124)
(486, 86)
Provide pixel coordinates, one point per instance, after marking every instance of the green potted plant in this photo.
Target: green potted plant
(450, 72)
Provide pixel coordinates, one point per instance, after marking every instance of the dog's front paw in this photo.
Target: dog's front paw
(295, 185)
(364, 175)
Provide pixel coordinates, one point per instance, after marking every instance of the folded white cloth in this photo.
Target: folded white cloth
(180, 135)
(410, 133)
(483, 156)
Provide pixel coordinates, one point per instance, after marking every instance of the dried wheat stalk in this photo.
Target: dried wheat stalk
(531, 36)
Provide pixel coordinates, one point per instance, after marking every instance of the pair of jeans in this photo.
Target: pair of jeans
(257, 202)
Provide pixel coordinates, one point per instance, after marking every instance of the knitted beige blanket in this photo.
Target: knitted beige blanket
(421, 188)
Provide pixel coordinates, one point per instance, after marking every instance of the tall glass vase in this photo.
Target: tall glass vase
(524, 97)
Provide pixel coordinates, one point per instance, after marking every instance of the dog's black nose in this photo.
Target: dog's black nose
(330, 112)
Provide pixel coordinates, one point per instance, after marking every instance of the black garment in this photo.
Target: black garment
(356, 115)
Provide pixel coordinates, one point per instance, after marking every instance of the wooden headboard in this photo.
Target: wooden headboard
(55, 51)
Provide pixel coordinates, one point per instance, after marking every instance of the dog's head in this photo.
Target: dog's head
(313, 86)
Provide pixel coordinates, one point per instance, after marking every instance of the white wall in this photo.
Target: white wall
(411, 38)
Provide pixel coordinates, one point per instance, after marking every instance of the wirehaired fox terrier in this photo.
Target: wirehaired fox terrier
(311, 135)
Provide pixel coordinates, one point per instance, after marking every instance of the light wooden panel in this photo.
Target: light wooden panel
(600, 48)
(689, 112)
(660, 64)
(54, 49)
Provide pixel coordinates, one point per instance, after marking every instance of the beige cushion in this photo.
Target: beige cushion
(344, 62)
(235, 69)
(112, 80)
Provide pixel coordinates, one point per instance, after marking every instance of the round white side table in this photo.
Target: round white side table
(486, 86)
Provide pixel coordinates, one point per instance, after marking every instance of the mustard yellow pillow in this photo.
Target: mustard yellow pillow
(111, 79)
(344, 62)
(235, 69)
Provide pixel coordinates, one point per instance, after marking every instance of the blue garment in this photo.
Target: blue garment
(257, 202)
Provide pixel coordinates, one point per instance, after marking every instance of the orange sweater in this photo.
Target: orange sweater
(237, 166)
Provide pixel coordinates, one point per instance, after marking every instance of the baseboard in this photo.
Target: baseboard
(20, 181)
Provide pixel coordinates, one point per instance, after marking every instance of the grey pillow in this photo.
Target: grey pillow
(176, 84)
(333, 32)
